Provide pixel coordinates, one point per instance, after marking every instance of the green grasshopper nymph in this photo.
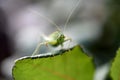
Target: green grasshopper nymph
(57, 38)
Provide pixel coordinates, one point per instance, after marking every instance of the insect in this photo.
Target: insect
(57, 38)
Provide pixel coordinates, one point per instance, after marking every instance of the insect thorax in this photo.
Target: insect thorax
(56, 38)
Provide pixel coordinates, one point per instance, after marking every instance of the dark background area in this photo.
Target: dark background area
(5, 41)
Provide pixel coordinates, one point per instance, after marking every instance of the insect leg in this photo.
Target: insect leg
(49, 48)
(68, 39)
(37, 48)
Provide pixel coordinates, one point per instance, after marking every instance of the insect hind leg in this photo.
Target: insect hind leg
(36, 51)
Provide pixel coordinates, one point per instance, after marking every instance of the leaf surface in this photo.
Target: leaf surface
(70, 65)
(115, 70)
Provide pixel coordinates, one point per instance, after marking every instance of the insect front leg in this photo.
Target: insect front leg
(70, 40)
(47, 45)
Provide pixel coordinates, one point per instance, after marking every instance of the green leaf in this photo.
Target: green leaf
(115, 70)
(70, 65)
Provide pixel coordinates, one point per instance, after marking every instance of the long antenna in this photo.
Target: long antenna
(49, 20)
(69, 16)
